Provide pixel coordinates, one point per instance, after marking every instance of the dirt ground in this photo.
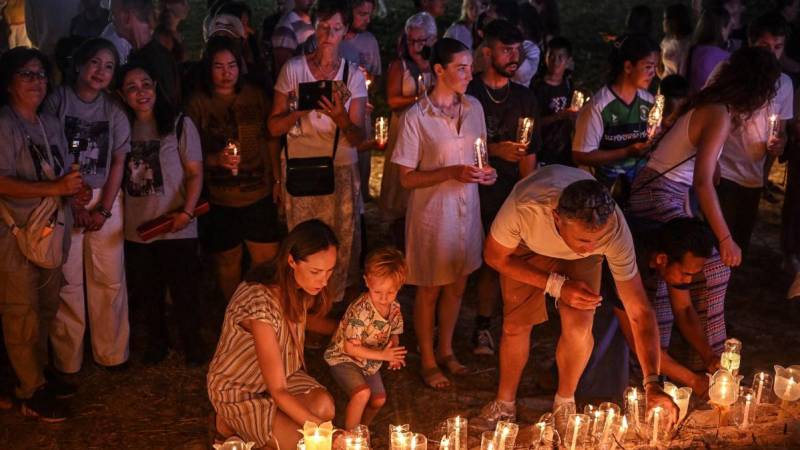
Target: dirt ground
(166, 407)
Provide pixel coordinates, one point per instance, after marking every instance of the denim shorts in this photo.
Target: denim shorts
(352, 379)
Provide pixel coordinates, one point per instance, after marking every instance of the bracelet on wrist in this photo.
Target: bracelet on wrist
(725, 239)
(652, 379)
(102, 211)
(188, 214)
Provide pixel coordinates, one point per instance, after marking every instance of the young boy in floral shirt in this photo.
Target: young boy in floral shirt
(369, 334)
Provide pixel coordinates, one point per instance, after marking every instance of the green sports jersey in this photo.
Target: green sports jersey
(608, 123)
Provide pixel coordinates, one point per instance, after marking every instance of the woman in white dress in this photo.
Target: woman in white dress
(444, 235)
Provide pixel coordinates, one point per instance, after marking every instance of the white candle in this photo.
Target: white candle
(654, 437)
(444, 444)
(773, 126)
(607, 426)
(634, 398)
(503, 436)
(575, 433)
(420, 84)
(480, 151)
(760, 387)
(747, 400)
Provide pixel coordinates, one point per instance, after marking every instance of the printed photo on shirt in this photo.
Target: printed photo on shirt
(143, 170)
(41, 161)
(92, 151)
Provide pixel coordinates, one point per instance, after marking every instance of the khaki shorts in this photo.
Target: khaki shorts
(524, 304)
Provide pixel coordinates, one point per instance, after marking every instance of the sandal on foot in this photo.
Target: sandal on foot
(434, 378)
(452, 365)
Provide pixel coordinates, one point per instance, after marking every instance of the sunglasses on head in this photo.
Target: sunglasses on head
(32, 75)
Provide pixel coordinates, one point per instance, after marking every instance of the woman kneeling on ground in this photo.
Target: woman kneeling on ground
(257, 381)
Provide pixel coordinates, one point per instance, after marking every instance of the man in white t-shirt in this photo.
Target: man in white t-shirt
(550, 237)
(292, 31)
(743, 162)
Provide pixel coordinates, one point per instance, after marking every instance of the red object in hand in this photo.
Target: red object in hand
(163, 224)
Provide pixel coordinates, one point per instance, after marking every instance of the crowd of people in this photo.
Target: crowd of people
(117, 180)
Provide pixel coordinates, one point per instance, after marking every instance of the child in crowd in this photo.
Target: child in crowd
(554, 94)
(369, 334)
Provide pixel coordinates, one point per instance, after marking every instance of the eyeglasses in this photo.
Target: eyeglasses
(32, 75)
(422, 41)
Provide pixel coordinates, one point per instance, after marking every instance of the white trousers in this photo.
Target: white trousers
(98, 258)
(18, 36)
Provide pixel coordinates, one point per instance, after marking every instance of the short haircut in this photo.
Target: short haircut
(680, 236)
(144, 10)
(325, 9)
(560, 43)
(587, 201)
(423, 21)
(14, 60)
(503, 31)
(386, 262)
(773, 23)
(674, 86)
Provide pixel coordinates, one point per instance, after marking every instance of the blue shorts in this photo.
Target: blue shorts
(352, 379)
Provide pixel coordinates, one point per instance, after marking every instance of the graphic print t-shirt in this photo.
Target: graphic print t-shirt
(154, 179)
(556, 136)
(94, 132)
(608, 123)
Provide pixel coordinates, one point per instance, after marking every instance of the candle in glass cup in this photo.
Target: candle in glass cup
(506, 433)
(457, 431)
(481, 154)
(318, 437)
(444, 444)
(773, 126)
(232, 149)
(761, 385)
(488, 440)
(732, 356)
(656, 417)
(575, 430)
(748, 399)
(655, 115)
(301, 444)
(401, 440)
(354, 443)
(577, 101)
(418, 441)
(381, 131)
(524, 130)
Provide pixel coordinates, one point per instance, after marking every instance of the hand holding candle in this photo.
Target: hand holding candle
(231, 156)
(577, 101)
(655, 116)
(381, 132)
(524, 131)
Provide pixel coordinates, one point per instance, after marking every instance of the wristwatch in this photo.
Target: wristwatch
(657, 379)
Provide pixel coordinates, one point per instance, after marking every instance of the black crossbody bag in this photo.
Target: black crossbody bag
(306, 177)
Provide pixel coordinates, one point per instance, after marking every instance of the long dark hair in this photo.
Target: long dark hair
(218, 44)
(163, 111)
(745, 83)
(305, 239)
(628, 48)
(85, 52)
(15, 59)
(709, 28)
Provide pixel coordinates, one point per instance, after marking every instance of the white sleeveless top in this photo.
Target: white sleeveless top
(673, 148)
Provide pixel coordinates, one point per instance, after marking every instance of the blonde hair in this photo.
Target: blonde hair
(386, 262)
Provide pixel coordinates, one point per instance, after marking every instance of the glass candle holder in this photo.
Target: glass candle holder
(635, 407)
(524, 130)
(318, 437)
(723, 388)
(457, 432)
(481, 153)
(732, 356)
(544, 437)
(744, 411)
(657, 429)
(418, 442)
(762, 387)
(577, 433)
(400, 440)
(359, 435)
(381, 132)
(506, 434)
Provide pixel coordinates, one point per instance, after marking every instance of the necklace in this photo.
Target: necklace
(496, 101)
(325, 74)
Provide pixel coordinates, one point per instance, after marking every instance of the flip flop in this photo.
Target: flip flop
(452, 365)
(434, 378)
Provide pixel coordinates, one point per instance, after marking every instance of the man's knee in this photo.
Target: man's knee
(513, 330)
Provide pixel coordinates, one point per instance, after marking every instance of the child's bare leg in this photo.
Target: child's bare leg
(356, 407)
(375, 404)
